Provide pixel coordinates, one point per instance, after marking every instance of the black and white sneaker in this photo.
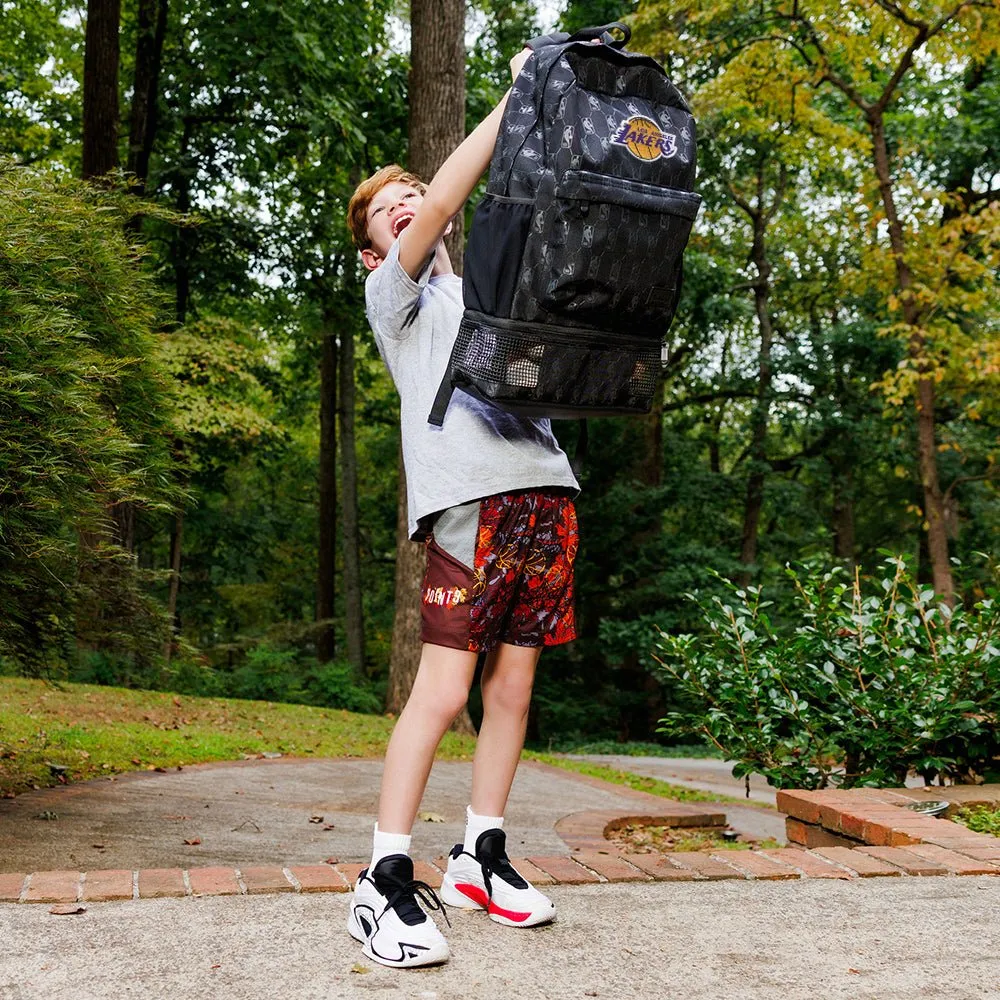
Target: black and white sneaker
(488, 881)
(387, 919)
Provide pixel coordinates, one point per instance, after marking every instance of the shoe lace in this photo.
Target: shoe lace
(500, 865)
(404, 901)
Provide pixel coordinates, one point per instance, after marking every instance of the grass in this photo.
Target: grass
(634, 748)
(640, 782)
(980, 818)
(98, 731)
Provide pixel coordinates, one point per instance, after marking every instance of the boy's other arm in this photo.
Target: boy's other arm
(451, 186)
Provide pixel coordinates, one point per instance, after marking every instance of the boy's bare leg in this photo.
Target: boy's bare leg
(440, 691)
(508, 678)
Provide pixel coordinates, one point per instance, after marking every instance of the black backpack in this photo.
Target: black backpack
(573, 263)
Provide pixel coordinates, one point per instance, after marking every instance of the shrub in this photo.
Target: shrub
(267, 674)
(873, 683)
(335, 685)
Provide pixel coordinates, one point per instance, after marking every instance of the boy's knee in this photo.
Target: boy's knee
(508, 692)
(443, 700)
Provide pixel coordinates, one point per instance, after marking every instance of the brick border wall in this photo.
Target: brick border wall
(872, 817)
(587, 867)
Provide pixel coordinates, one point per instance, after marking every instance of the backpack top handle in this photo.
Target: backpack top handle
(603, 34)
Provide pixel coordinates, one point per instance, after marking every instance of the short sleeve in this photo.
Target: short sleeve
(392, 296)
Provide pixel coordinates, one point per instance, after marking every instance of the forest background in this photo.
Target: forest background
(199, 485)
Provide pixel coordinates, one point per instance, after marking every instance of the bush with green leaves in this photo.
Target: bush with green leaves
(876, 680)
(84, 419)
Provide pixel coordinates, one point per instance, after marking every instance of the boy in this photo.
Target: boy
(491, 493)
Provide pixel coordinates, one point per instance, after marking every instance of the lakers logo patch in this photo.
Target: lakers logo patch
(644, 139)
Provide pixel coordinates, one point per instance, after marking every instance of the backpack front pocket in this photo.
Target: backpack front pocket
(605, 252)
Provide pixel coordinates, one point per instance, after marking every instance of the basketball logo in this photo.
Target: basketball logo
(644, 139)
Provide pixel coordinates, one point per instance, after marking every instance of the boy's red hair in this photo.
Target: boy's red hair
(357, 209)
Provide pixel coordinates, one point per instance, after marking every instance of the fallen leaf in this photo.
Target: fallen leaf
(99, 847)
(329, 826)
(316, 819)
(429, 817)
(360, 969)
(177, 702)
(135, 760)
(176, 817)
(856, 972)
(331, 861)
(67, 910)
(193, 841)
(219, 966)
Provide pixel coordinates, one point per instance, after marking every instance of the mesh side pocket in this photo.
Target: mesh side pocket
(559, 373)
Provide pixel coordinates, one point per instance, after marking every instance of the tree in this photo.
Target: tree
(437, 126)
(84, 420)
(932, 259)
(100, 88)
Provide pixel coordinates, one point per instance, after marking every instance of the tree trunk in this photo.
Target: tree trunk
(100, 88)
(651, 472)
(934, 512)
(150, 33)
(176, 539)
(437, 95)
(354, 620)
(754, 501)
(436, 127)
(843, 514)
(406, 645)
(326, 581)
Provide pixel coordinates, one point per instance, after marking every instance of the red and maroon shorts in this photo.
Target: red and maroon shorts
(501, 570)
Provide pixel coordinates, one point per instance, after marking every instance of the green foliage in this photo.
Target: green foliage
(982, 818)
(873, 682)
(84, 414)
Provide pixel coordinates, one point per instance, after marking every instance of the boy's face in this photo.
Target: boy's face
(389, 213)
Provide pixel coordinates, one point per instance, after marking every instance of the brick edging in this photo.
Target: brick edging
(587, 867)
(873, 817)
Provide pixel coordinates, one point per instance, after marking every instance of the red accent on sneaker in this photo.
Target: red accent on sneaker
(509, 914)
(474, 893)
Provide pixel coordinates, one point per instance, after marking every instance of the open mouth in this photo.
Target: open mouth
(400, 223)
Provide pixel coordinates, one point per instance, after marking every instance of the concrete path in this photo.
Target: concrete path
(259, 811)
(875, 939)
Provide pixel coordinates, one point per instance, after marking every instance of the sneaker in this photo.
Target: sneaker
(488, 881)
(387, 919)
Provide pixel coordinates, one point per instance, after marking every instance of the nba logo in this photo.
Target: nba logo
(644, 140)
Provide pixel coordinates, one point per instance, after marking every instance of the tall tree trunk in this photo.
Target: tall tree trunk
(843, 513)
(754, 501)
(184, 237)
(150, 33)
(436, 127)
(176, 539)
(405, 657)
(934, 512)
(326, 581)
(437, 95)
(354, 620)
(100, 88)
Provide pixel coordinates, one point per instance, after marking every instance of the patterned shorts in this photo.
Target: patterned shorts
(501, 570)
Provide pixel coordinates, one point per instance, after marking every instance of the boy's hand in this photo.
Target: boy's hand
(518, 62)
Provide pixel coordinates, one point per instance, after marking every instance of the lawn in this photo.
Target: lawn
(98, 731)
(95, 732)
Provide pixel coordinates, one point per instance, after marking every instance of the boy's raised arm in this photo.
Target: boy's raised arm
(451, 186)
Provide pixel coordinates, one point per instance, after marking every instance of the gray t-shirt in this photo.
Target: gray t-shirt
(481, 450)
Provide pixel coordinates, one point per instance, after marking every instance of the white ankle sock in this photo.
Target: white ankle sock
(384, 844)
(475, 825)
